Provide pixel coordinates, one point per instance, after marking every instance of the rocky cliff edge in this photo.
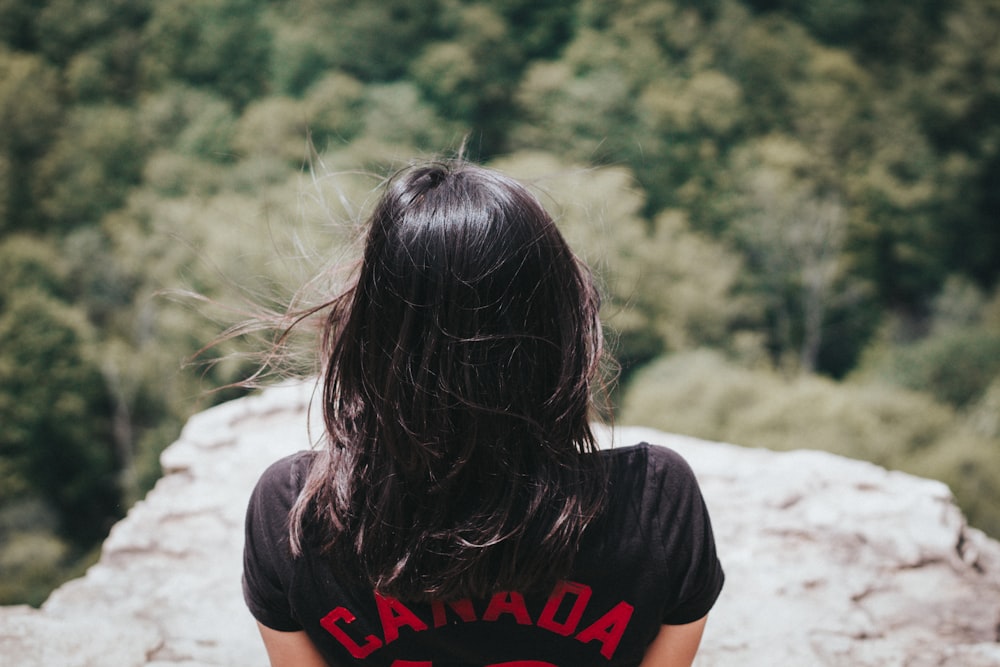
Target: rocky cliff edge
(829, 561)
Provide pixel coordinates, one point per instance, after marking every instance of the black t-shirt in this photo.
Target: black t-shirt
(649, 561)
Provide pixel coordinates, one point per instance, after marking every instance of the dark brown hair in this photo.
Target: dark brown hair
(457, 382)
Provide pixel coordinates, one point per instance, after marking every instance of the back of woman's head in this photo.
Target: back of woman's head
(457, 391)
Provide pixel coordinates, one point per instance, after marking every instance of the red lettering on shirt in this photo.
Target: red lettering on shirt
(507, 602)
(608, 629)
(547, 619)
(394, 615)
(561, 614)
(330, 624)
(466, 612)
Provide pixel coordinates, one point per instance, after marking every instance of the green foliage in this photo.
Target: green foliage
(30, 263)
(472, 78)
(274, 126)
(969, 465)
(582, 116)
(33, 558)
(793, 231)
(98, 45)
(297, 54)
(887, 32)
(376, 41)
(192, 122)
(90, 168)
(52, 393)
(30, 552)
(30, 111)
(983, 417)
(17, 23)
(703, 395)
(398, 118)
(957, 362)
(542, 26)
(956, 367)
(29, 103)
(334, 110)
(769, 57)
(67, 27)
(218, 44)
(957, 104)
(373, 41)
(896, 230)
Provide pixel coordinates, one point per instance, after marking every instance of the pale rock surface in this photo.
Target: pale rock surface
(829, 561)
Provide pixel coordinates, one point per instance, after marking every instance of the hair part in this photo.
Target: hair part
(457, 395)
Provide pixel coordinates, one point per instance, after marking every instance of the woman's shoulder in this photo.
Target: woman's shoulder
(651, 479)
(648, 459)
(284, 478)
(292, 464)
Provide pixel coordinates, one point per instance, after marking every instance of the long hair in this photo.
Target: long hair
(457, 395)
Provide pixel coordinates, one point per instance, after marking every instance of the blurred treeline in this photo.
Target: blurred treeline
(792, 204)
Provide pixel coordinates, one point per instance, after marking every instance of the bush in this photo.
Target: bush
(32, 556)
(703, 395)
(955, 366)
(970, 466)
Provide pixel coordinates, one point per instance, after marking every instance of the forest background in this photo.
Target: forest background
(792, 206)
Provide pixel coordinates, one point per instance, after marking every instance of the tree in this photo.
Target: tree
(193, 122)
(372, 41)
(216, 44)
(542, 26)
(64, 28)
(896, 232)
(586, 116)
(960, 108)
(471, 79)
(30, 113)
(793, 234)
(688, 124)
(691, 285)
(398, 121)
(334, 109)
(768, 57)
(17, 24)
(55, 413)
(887, 33)
(276, 127)
(30, 262)
(90, 169)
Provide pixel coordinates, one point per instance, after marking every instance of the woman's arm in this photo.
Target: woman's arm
(290, 649)
(675, 645)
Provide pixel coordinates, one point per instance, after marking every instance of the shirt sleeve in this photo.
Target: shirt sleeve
(267, 557)
(689, 555)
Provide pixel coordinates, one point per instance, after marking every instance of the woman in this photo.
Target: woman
(460, 512)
